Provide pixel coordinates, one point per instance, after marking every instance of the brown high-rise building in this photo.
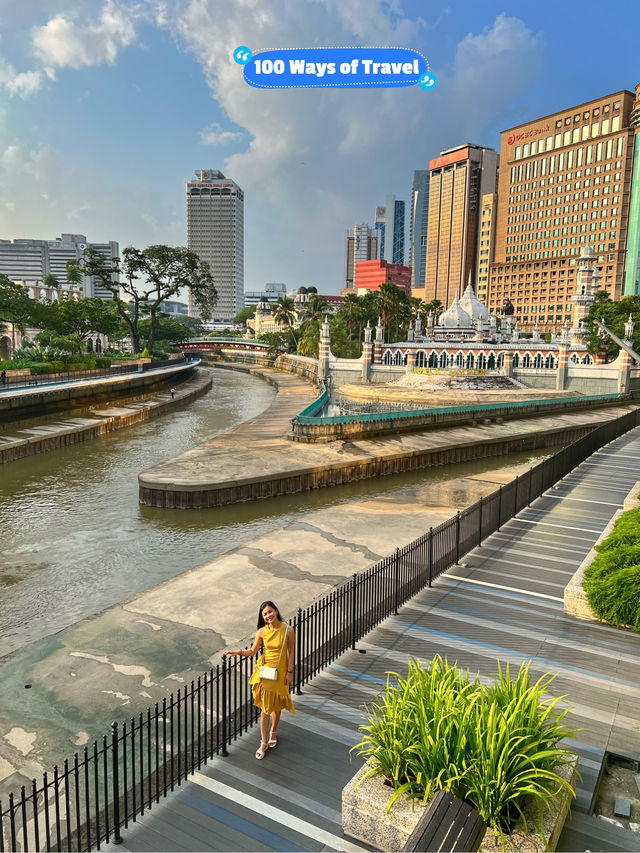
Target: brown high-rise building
(459, 178)
(565, 182)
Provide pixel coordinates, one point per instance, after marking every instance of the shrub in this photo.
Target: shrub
(493, 746)
(612, 581)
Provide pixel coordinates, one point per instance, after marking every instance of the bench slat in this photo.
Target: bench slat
(448, 824)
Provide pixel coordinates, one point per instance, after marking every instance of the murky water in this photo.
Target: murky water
(74, 539)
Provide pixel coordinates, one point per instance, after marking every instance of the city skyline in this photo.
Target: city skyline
(107, 107)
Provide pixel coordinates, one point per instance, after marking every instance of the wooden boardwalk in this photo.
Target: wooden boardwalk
(505, 602)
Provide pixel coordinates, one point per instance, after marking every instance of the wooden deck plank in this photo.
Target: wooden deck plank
(467, 622)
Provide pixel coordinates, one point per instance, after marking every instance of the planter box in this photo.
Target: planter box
(365, 818)
(576, 602)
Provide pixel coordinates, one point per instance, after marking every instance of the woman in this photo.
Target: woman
(271, 697)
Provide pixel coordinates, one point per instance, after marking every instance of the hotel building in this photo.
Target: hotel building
(215, 232)
(459, 179)
(564, 183)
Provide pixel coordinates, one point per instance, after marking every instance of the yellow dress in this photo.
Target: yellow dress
(272, 695)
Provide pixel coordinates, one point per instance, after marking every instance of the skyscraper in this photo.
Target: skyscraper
(360, 244)
(460, 177)
(565, 183)
(418, 227)
(632, 268)
(394, 231)
(215, 232)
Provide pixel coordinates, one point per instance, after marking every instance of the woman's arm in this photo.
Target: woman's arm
(291, 644)
(248, 653)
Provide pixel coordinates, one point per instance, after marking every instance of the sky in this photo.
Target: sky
(108, 106)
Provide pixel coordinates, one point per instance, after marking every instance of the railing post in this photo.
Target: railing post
(224, 752)
(499, 507)
(117, 838)
(396, 572)
(457, 537)
(354, 605)
(299, 653)
(480, 523)
(530, 484)
(430, 555)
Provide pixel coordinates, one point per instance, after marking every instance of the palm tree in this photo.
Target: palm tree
(315, 308)
(285, 314)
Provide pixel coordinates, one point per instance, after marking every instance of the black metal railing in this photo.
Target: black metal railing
(100, 791)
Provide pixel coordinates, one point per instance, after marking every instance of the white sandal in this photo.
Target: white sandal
(260, 752)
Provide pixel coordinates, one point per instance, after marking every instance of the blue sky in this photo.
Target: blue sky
(106, 108)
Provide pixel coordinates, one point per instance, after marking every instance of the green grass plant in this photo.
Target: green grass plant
(496, 746)
(612, 581)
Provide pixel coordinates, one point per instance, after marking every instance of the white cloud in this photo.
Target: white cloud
(215, 135)
(24, 83)
(320, 160)
(64, 43)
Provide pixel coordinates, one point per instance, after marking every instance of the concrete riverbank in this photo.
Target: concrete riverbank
(256, 460)
(40, 397)
(41, 439)
(136, 653)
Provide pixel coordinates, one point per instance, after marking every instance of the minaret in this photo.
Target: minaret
(377, 344)
(367, 353)
(584, 294)
(324, 350)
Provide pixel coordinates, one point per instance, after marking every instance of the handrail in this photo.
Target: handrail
(97, 792)
(486, 409)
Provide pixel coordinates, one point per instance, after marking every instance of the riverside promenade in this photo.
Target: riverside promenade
(256, 460)
(505, 602)
(20, 442)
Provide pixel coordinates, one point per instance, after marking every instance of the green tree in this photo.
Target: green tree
(244, 315)
(17, 308)
(82, 317)
(614, 315)
(393, 308)
(51, 280)
(147, 278)
(285, 314)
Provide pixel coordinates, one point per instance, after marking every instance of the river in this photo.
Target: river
(74, 540)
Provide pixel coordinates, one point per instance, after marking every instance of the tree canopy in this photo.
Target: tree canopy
(614, 315)
(147, 278)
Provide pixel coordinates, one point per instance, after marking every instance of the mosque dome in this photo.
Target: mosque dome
(302, 290)
(472, 305)
(312, 289)
(263, 306)
(455, 317)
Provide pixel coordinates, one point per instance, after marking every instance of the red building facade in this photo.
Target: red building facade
(371, 274)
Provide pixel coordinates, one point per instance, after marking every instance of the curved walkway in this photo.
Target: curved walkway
(506, 602)
(40, 439)
(256, 460)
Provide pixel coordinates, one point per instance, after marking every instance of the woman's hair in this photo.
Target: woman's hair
(261, 622)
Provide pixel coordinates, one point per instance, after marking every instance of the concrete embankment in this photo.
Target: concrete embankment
(115, 664)
(38, 399)
(255, 460)
(40, 439)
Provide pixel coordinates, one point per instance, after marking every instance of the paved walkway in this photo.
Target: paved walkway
(505, 602)
(256, 459)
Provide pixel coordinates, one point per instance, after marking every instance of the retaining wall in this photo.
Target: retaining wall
(49, 395)
(66, 435)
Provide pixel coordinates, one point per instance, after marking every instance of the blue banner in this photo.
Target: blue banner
(317, 67)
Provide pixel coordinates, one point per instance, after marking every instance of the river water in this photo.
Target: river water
(74, 540)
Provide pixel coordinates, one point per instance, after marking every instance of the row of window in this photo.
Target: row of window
(568, 137)
(482, 361)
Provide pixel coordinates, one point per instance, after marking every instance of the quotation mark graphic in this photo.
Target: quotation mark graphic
(427, 81)
(242, 55)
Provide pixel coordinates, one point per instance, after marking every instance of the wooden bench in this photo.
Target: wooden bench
(448, 824)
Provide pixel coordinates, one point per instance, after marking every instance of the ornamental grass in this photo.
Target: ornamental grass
(496, 747)
(612, 581)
